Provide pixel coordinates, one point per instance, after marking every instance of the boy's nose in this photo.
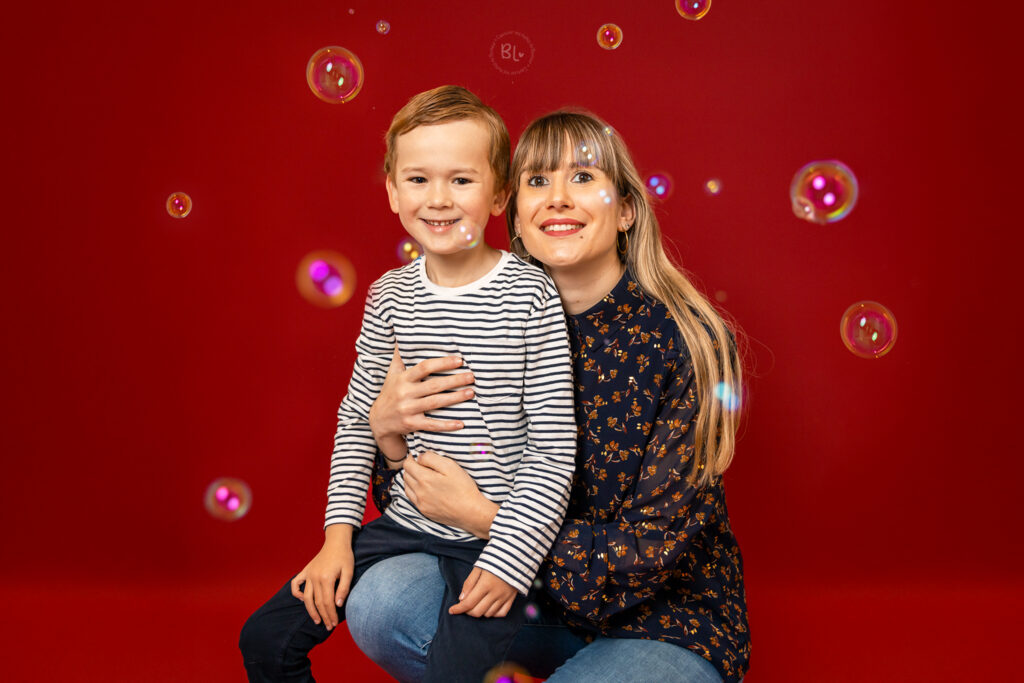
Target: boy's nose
(439, 196)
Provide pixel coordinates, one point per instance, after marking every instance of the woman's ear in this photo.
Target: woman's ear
(628, 213)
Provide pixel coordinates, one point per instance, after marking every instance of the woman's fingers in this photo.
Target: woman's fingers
(428, 367)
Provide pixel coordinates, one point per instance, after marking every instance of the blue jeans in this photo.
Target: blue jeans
(392, 616)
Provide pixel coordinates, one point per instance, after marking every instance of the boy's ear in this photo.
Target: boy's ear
(392, 193)
(500, 200)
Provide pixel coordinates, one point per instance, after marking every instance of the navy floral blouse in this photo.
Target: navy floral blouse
(642, 552)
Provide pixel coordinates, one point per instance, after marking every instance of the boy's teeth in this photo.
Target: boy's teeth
(440, 222)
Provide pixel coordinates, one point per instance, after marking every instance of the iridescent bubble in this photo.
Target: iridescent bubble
(537, 583)
(383, 27)
(605, 196)
(713, 186)
(693, 9)
(179, 204)
(408, 250)
(228, 498)
(467, 235)
(868, 329)
(728, 396)
(823, 192)
(531, 610)
(659, 185)
(587, 155)
(507, 672)
(334, 74)
(325, 278)
(721, 295)
(609, 131)
(609, 36)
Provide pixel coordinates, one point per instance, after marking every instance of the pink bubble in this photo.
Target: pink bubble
(334, 74)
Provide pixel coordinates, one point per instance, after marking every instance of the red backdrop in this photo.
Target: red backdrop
(144, 356)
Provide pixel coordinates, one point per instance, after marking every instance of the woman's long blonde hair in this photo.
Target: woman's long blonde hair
(711, 342)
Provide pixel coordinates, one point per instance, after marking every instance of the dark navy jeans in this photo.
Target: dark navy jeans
(277, 638)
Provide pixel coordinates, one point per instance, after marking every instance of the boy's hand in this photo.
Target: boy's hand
(484, 595)
(333, 564)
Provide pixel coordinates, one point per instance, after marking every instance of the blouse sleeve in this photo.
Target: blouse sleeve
(599, 569)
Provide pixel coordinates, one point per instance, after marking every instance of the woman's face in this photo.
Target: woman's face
(570, 218)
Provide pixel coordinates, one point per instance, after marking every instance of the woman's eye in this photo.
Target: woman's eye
(582, 177)
(536, 180)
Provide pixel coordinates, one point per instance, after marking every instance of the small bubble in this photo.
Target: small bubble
(179, 205)
(823, 192)
(227, 498)
(693, 9)
(383, 27)
(609, 36)
(659, 185)
(713, 186)
(325, 278)
(408, 250)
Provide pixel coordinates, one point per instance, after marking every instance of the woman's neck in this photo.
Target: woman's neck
(581, 288)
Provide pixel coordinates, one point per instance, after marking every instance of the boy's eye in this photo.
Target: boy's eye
(417, 179)
(582, 177)
(462, 181)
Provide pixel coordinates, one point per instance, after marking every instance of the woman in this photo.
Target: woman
(644, 581)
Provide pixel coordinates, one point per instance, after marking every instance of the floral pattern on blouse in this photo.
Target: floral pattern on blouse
(642, 552)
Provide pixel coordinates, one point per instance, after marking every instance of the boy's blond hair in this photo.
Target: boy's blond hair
(451, 103)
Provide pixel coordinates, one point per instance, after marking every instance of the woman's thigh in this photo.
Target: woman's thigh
(392, 612)
(622, 660)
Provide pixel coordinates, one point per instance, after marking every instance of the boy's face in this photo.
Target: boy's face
(443, 177)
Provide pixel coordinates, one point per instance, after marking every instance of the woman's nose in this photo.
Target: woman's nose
(559, 195)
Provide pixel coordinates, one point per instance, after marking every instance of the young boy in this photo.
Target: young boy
(447, 168)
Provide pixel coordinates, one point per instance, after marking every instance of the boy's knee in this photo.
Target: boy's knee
(254, 639)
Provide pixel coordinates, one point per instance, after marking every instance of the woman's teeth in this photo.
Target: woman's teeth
(562, 227)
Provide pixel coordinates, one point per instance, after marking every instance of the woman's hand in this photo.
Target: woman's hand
(444, 493)
(407, 395)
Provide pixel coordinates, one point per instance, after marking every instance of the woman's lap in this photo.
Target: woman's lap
(392, 615)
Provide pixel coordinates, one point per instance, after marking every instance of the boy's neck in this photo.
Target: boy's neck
(460, 268)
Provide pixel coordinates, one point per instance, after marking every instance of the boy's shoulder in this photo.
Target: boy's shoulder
(527, 274)
(401, 276)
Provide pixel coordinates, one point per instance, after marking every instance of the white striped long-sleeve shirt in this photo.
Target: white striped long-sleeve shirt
(519, 439)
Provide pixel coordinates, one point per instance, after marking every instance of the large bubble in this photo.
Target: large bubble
(334, 74)
(325, 278)
(408, 250)
(868, 329)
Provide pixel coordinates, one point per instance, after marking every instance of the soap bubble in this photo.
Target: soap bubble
(479, 450)
(868, 329)
(325, 278)
(713, 186)
(588, 155)
(609, 36)
(179, 204)
(659, 185)
(823, 192)
(727, 396)
(507, 672)
(227, 498)
(334, 74)
(693, 9)
(531, 610)
(383, 27)
(467, 235)
(408, 250)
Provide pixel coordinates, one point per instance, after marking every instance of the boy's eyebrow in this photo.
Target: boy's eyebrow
(455, 171)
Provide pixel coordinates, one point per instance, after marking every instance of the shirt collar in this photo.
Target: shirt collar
(617, 308)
